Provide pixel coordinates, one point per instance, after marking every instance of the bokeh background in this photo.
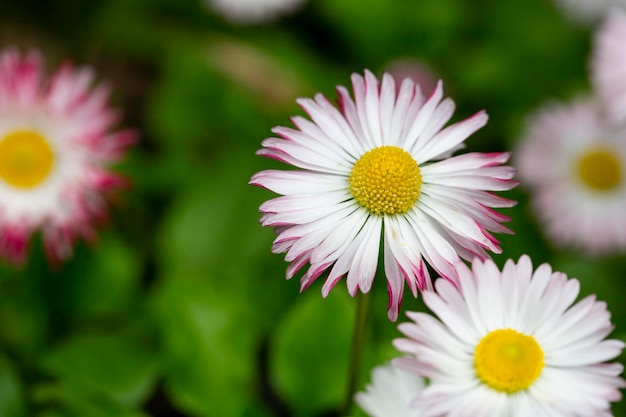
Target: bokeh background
(180, 308)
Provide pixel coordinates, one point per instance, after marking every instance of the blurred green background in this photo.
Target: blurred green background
(180, 309)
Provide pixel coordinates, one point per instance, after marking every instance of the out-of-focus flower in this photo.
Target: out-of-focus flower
(390, 392)
(382, 165)
(512, 343)
(414, 69)
(575, 167)
(253, 11)
(56, 145)
(608, 65)
(589, 11)
(253, 69)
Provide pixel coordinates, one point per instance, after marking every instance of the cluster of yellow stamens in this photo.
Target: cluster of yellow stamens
(508, 361)
(26, 159)
(600, 169)
(386, 180)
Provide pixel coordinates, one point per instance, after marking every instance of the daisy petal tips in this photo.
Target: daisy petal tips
(380, 166)
(390, 392)
(56, 143)
(512, 343)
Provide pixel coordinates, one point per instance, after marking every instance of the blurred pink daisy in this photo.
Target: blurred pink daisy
(390, 392)
(55, 146)
(575, 165)
(512, 343)
(253, 11)
(380, 165)
(608, 65)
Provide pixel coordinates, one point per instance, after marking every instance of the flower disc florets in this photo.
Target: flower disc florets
(386, 180)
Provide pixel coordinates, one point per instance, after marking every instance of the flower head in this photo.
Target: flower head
(381, 165)
(589, 11)
(390, 393)
(608, 65)
(55, 145)
(574, 163)
(512, 343)
(253, 11)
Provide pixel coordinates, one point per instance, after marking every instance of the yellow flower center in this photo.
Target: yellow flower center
(386, 180)
(26, 159)
(508, 361)
(600, 170)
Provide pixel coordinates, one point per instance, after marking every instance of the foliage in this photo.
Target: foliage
(180, 309)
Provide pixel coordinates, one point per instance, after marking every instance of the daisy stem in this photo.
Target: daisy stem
(358, 339)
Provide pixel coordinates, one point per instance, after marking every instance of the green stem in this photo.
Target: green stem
(358, 341)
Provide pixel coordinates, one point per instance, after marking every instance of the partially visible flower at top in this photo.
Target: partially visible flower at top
(512, 343)
(608, 65)
(574, 164)
(253, 11)
(588, 11)
(390, 392)
(56, 145)
(381, 165)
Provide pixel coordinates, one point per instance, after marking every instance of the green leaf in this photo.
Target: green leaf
(310, 352)
(209, 341)
(59, 400)
(109, 364)
(106, 279)
(23, 320)
(11, 401)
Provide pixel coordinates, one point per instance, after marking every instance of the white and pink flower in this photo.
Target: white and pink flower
(56, 145)
(381, 166)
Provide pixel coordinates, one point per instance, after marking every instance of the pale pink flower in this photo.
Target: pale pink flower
(512, 343)
(381, 166)
(574, 165)
(56, 145)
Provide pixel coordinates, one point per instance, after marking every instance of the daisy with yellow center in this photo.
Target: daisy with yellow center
(56, 145)
(381, 165)
(512, 343)
(574, 164)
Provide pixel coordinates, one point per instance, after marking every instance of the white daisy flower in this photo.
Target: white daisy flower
(512, 343)
(589, 11)
(253, 11)
(390, 393)
(608, 65)
(380, 165)
(575, 167)
(55, 146)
